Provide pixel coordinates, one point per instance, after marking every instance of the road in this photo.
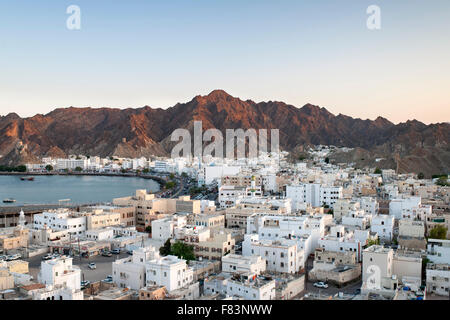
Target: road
(332, 289)
(104, 266)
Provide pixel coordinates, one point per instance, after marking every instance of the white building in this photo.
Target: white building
(253, 288)
(399, 206)
(233, 263)
(100, 234)
(383, 225)
(369, 205)
(438, 279)
(438, 251)
(61, 220)
(163, 229)
(313, 193)
(60, 272)
(340, 241)
(282, 255)
(130, 272)
(169, 271)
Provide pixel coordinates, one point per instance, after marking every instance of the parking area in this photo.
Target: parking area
(103, 264)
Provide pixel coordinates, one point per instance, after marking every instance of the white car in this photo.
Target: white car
(320, 285)
(92, 266)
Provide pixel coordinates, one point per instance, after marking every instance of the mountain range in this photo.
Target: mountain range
(146, 132)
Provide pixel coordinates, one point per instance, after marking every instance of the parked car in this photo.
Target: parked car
(85, 284)
(92, 266)
(13, 257)
(106, 254)
(130, 252)
(48, 256)
(115, 251)
(357, 291)
(320, 285)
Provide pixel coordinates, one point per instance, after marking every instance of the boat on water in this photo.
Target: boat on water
(27, 178)
(9, 200)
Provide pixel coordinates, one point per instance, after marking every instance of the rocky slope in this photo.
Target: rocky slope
(146, 131)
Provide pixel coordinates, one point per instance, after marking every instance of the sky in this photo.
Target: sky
(133, 53)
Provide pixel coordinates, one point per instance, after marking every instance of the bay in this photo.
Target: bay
(79, 189)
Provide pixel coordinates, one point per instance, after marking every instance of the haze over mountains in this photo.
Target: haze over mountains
(146, 132)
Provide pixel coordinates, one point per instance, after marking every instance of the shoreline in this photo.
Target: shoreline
(159, 180)
(13, 209)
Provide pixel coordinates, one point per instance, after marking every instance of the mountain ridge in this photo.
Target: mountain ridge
(145, 131)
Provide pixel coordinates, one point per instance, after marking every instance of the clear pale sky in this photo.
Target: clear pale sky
(134, 53)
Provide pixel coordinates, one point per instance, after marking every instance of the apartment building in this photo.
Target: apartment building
(340, 241)
(312, 193)
(343, 206)
(149, 208)
(99, 218)
(251, 287)
(335, 266)
(208, 220)
(412, 234)
(163, 229)
(169, 271)
(284, 256)
(236, 217)
(127, 215)
(246, 286)
(233, 263)
(13, 238)
(60, 271)
(438, 251)
(306, 229)
(130, 272)
(61, 220)
(438, 279)
(383, 225)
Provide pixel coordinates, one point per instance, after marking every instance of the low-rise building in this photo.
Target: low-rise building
(438, 279)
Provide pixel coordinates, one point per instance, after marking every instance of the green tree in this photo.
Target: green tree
(172, 176)
(327, 160)
(49, 167)
(420, 176)
(170, 185)
(148, 229)
(78, 169)
(166, 248)
(183, 251)
(438, 232)
(442, 181)
(21, 168)
(145, 171)
(377, 171)
(373, 242)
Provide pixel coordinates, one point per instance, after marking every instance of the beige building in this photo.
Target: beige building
(337, 267)
(127, 213)
(241, 180)
(236, 217)
(6, 280)
(153, 293)
(207, 220)
(18, 238)
(216, 246)
(148, 208)
(17, 266)
(412, 235)
(98, 219)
